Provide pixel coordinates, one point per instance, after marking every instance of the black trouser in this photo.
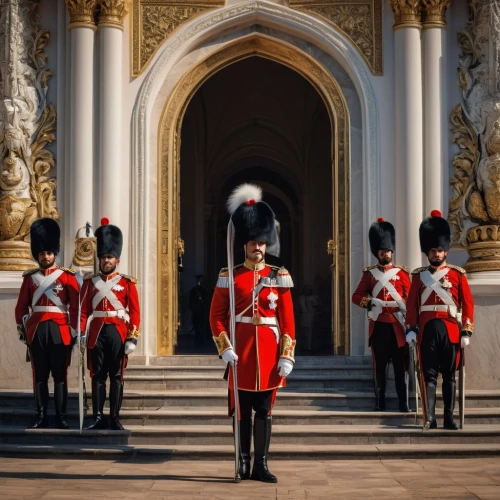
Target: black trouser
(49, 354)
(438, 353)
(260, 402)
(385, 347)
(107, 355)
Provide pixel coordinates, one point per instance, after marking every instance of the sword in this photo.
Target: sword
(232, 332)
(81, 342)
(461, 389)
(421, 384)
(415, 380)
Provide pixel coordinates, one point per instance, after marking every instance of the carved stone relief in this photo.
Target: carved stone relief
(475, 204)
(27, 126)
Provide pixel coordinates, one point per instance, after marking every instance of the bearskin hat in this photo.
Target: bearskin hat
(435, 232)
(45, 236)
(109, 239)
(252, 218)
(382, 236)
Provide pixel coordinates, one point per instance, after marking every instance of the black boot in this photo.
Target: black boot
(98, 399)
(60, 399)
(401, 391)
(261, 438)
(379, 393)
(41, 401)
(449, 405)
(245, 443)
(430, 390)
(115, 401)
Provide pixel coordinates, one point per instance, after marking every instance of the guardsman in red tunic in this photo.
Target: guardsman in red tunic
(265, 328)
(383, 291)
(440, 316)
(110, 316)
(47, 318)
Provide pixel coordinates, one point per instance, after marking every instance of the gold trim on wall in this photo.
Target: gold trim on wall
(169, 176)
(358, 20)
(154, 20)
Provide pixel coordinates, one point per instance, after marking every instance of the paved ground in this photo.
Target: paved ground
(157, 479)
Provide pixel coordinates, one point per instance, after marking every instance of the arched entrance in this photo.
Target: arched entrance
(257, 121)
(170, 245)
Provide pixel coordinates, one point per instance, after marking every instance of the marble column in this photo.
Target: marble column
(435, 119)
(110, 27)
(409, 130)
(81, 146)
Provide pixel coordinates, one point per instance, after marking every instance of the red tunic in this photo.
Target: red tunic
(455, 284)
(363, 294)
(125, 291)
(257, 347)
(65, 287)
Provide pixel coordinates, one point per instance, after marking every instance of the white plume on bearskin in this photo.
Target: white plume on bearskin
(243, 194)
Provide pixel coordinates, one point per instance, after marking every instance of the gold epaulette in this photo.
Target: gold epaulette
(224, 272)
(283, 278)
(31, 271)
(461, 270)
(68, 270)
(130, 278)
(369, 268)
(419, 270)
(274, 268)
(89, 276)
(404, 268)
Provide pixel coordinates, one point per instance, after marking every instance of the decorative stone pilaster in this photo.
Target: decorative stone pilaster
(407, 13)
(27, 126)
(113, 13)
(475, 206)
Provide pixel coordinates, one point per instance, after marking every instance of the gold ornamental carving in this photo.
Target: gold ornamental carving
(407, 13)
(154, 20)
(474, 213)
(82, 13)
(112, 12)
(169, 175)
(359, 20)
(434, 13)
(27, 127)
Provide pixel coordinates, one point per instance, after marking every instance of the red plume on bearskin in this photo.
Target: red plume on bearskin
(435, 232)
(382, 236)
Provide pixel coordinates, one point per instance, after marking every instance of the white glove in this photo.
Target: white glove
(130, 347)
(464, 341)
(375, 310)
(285, 367)
(411, 337)
(229, 356)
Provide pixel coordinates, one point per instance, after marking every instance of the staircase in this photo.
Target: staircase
(177, 406)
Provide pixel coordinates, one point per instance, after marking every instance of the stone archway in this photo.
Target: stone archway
(169, 244)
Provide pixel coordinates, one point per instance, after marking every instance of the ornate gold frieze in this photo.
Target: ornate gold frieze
(434, 13)
(112, 12)
(154, 20)
(169, 175)
(407, 13)
(359, 20)
(27, 127)
(475, 205)
(81, 13)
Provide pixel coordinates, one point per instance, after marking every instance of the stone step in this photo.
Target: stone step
(160, 382)
(213, 360)
(331, 400)
(218, 416)
(226, 452)
(307, 435)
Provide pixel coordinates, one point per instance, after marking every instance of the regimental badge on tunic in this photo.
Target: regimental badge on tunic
(118, 288)
(445, 283)
(58, 288)
(272, 298)
(395, 278)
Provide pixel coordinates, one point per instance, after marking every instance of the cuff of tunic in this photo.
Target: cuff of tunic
(287, 348)
(133, 333)
(222, 342)
(365, 301)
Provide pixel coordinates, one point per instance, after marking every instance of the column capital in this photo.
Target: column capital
(434, 13)
(81, 13)
(112, 13)
(407, 13)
